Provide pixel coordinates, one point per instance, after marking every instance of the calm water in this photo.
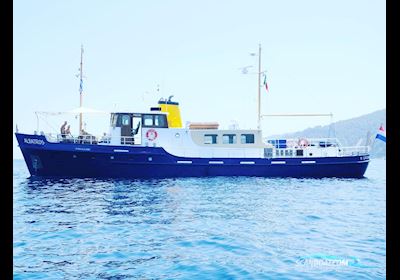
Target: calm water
(208, 228)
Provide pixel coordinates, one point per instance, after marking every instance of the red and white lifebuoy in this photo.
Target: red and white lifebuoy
(303, 143)
(151, 134)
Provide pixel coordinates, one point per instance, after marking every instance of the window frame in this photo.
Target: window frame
(234, 138)
(162, 121)
(213, 137)
(246, 135)
(153, 117)
(148, 117)
(125, 117)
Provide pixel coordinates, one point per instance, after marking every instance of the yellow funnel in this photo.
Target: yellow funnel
(174, 114)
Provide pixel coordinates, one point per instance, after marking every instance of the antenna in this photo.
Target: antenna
(259, 89)
(80, 90)
(259, 73)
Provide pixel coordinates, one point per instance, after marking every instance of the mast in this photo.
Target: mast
(80, 91)
(259, 89)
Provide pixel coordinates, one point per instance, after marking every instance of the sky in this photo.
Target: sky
(320, 57)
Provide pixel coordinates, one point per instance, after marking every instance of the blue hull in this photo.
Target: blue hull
(47, 159)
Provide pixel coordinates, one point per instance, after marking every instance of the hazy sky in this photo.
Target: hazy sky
(320, 57)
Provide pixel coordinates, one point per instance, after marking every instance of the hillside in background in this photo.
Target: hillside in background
(350, 132)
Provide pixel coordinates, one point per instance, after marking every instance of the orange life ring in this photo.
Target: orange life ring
(303, 143)
(151, 134)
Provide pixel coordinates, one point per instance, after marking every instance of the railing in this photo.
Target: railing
(124, 140)
(304, 142)
(314, 146)
(91, 139)
(289, 151)
(353, 151)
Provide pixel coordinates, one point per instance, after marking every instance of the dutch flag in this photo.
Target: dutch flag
(381, 134)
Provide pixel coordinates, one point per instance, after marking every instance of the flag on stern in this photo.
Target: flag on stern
(381, 134)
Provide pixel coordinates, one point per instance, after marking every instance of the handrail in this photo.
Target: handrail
(135, 140)
(296, 142)
(309, 139)
(353, 151)
(91, 139)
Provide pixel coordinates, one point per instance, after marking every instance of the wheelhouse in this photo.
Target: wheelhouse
(128, 126)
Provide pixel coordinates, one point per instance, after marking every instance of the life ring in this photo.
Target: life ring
(151, 134)
(303, 143)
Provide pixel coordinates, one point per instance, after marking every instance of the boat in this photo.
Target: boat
(155, 144)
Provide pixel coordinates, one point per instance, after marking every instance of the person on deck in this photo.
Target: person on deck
(68, 130)
(62, 129)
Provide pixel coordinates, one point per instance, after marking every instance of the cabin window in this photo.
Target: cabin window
(299, 153)
(120, 120)
(277, 153)
(125, 120)
(281, 153)
(155, 121)
(229, 139)
(210, 139)
(148, 120)
(160, 121)
(247, 139)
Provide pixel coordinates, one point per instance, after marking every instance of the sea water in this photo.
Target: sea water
(200, 228)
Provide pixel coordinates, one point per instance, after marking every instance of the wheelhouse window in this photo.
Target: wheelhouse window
(150, 120)
(247, 138)
(125, 120)
(160, 121)
(120, 119)
(229, 139)
(210, 138)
